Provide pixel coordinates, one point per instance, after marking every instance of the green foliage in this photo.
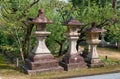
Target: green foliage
(110, 61)
(94, 13)
(1, 59)
(16, 33)
(101, 12)
(57, 37)
(114, 32)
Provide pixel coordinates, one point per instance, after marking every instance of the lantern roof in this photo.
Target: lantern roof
(94, 28)
(73, 22)
(41, 18)
(103, 30)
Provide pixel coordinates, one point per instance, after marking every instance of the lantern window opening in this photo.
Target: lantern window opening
(74, 29)
(41, 27)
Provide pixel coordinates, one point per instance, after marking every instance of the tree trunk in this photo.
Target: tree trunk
(22, 55)
(26, 42)
(61, 46)
(118, 45)
(60, 50)
(114, 4)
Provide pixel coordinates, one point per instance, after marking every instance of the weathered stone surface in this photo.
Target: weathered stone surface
(34, 72)
(41, 47)
(72, 61)
(94, 62)
(42, 65)
(39, 57)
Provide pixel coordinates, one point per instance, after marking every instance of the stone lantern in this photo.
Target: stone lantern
(72, 58)
(41, 59)
(103, 43)
(93, 40)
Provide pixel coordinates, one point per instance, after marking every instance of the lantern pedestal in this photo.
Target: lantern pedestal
(41, 60)
(41, 47)
(72, 58)
(47, 63)
(72, 62)
(93, 57)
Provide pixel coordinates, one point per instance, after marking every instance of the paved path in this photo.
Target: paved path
(105, 76)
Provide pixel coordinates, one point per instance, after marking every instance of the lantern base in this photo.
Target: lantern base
(41, 63)
(95, 62)
(37, 57)
(72, 62)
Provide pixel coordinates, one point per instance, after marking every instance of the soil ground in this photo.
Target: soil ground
(110, 53)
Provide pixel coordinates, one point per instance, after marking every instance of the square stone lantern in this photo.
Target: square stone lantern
(93, 40)
(41, 59)
(103, 43)
(72, 58)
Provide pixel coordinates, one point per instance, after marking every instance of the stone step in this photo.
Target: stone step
(72, 66)
(42, 64)
(52, 69)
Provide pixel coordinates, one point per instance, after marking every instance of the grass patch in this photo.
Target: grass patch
(110, 61)
(2, 59)
(77, 72)
(59, 75)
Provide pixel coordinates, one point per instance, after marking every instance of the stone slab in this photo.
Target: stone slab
(37, 71)
(72, 61)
